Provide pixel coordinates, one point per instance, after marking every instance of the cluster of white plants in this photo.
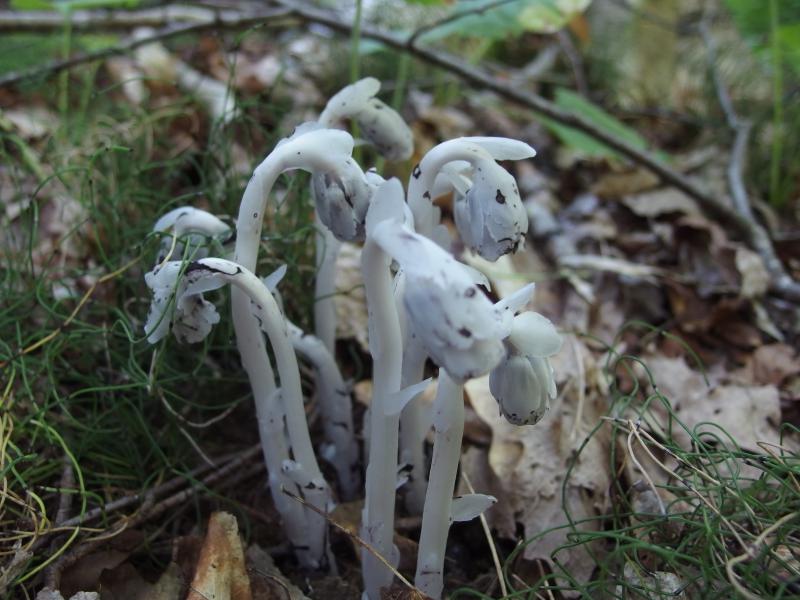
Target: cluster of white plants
(422, 304)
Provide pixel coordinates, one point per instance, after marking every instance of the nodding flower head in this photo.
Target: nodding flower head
(190, 317)
(490, 216)
(381, 125)
(488, 210)
(523, 382)
(342, 198)
(456, 323)
(194, 223)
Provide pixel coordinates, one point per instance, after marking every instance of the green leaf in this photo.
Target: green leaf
(582, 142)
(509, 19)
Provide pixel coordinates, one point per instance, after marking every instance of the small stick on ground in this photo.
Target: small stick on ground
(368, 547)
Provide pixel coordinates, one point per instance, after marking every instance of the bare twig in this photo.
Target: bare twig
(366, 545)
(235, 468)
(740, 127)
(96, 19)
(235, 461)
(752, 233)
(575, 61)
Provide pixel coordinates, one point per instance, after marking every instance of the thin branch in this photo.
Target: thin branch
(13, 21)
(215, 20)
(749, 230)
(740, 127)
(145, 498)
(575, 61)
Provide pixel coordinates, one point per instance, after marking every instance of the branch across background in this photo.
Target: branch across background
(751, 232)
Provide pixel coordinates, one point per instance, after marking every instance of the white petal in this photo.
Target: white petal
(534, 335)
(469, 506)
(517, 301)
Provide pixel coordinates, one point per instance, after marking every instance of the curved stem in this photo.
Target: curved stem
(333, 396)
(420, 184)
(253, 351)
(325, 287)
(386, 344)
(448, 424)
(264, 308)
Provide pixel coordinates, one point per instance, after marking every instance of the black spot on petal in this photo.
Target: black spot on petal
(501, 199)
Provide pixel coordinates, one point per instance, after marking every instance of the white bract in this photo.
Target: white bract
(379, 123)
(523, 383)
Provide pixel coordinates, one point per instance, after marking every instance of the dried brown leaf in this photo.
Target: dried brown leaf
(530, 465)
(661, 202)
(749, 414)
(773, 363)
(221, 571)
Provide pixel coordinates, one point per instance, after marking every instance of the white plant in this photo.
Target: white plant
(317, 150)
(523, 382)
(307, 531)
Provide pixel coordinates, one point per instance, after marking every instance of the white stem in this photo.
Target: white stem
(265, 309)
(413, 429)
(333, 397)
(386, 345)
(448, 424)
(325, 287)
(420, 185)
(250, 340)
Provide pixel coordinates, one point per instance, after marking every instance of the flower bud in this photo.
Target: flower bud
(191, 316)
(523, 382)
(457, 324)
(384, 128)
(380, 124)
(523, 387)
(342, 199)
(490, 217)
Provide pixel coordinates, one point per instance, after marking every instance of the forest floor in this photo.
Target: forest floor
(668, 464)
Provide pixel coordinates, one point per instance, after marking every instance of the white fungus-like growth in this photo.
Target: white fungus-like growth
(490, 216)
(523, 382)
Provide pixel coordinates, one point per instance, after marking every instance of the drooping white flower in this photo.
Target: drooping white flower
(457, 324)
(189, 315)
(342, 199)
(523, 382)
(380, 124)
(488, 210)
(193, 224)
(490, 216)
